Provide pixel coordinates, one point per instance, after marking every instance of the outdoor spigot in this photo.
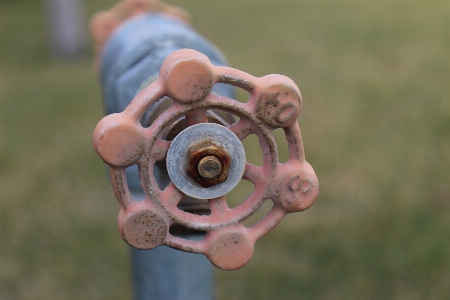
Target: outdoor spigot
(206, 160)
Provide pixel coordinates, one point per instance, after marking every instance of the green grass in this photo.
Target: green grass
(375, 80)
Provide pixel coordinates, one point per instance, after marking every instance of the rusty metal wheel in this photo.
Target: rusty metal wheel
(187, 77)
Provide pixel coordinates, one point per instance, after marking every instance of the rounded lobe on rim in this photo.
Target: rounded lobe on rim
(188, 76)
(279, 101)
(118, 140)
(230, 248)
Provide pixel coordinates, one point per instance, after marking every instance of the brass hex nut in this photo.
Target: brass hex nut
(208, 164)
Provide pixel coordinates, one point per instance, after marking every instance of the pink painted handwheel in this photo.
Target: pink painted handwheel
(187, 77)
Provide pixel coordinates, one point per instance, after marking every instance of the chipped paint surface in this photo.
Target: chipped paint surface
(187, 77)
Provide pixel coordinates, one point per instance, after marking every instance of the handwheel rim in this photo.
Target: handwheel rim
(275, 102)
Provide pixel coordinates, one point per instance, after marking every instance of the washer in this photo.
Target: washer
(177, 157)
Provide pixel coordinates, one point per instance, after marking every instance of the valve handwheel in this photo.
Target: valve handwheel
(206, 160)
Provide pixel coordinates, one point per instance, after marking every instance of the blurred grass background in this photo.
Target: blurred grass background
(375, 80)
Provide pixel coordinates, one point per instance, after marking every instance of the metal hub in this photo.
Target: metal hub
(203, 179)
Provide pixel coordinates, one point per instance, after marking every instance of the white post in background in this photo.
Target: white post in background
(66, 23)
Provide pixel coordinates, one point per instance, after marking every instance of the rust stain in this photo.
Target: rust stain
(197, 153)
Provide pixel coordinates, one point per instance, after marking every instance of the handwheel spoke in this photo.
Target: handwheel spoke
(197, 116)
(160, 149)
(218, 206)
(171, 196)
(242, 128)
(253, 173)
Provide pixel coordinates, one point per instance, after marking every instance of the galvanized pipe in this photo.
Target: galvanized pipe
(166, 273)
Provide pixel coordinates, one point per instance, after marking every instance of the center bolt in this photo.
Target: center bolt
(208, 164)
(209, 167)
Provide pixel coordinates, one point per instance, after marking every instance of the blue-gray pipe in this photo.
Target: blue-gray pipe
(131, 60)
